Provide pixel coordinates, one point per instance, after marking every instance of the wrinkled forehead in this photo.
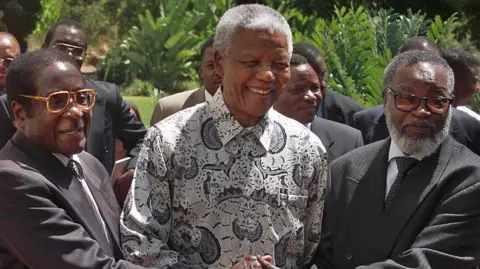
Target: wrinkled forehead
(421, 73)
(69, 35)
(59, 76)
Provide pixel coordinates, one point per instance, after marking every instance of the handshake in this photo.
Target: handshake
(255, 262)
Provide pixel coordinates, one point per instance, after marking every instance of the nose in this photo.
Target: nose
(310, 96)
(73, 109)
(422, 110)
(265, 73)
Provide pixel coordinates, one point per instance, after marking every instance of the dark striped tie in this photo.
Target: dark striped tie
(404, 164)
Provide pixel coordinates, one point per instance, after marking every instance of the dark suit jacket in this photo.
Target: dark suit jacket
(111, 119)
(371, 122)
(338, 107)
(44, 219)
(432, 222)
(337, 138)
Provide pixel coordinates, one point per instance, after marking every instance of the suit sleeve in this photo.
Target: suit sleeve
(450, 240)
(359, 142)
(128, 129)
(157, 115)
(39, 233)
(146, 220)
(323, 256)
(315, 205)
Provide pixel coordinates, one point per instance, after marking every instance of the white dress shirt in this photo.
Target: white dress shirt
(392, 169)
(208, 96)
(469, 112)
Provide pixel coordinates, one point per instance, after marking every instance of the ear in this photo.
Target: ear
(218, 63)
(384, 97)
(19, 115)
(200, 70)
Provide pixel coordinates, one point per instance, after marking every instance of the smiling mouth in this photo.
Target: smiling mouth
(260, 91)
(72, 132)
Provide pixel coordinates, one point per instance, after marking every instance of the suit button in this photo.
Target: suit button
(348, 256)
(106, 149)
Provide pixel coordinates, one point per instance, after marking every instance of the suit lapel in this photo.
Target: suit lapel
(197, 97)
(53, 170)
(327, 139)
(108, 212)
(366, 205)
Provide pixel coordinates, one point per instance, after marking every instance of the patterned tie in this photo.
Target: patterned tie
(404, 164)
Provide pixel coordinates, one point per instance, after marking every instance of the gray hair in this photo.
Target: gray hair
(251, 17)
(414, 57)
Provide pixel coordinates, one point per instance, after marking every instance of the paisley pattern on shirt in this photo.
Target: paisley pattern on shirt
(208, 192)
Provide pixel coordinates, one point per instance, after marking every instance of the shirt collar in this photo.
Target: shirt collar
(228, 127)
(396, 152)
(208, 96)
(64, 159)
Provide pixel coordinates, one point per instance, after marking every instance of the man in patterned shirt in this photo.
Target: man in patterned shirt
(231, 182)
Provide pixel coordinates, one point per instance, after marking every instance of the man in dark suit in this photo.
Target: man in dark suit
(58, 209)
(335, 106)
(410, 201)
(300, 100)
(111, 116)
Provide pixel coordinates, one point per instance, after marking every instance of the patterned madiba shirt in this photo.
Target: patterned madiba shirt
(208, 192)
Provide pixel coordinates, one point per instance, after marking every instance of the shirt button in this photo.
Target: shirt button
(348, 256)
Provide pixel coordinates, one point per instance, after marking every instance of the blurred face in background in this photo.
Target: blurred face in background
(211, 79)
(9, 49)
(302, 95)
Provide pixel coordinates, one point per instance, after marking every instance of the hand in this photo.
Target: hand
(250, 262)
(122, 185)
(265, 262)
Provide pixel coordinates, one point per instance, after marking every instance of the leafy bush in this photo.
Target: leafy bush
(160, 49)
(358, 45)
(139, 88)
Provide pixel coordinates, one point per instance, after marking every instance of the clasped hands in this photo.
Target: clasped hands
(255, 262)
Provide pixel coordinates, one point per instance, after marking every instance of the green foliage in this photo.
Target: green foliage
(160, 49)
(139, 88)
(358, 45)
(52, 10)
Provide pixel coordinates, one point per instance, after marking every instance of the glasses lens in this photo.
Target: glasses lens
(6, 62)
(85, 99)
(406, 102)
(58, 101)
(62, 47)
(438, 105)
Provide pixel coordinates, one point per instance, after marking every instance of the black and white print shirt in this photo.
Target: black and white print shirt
(208, 192)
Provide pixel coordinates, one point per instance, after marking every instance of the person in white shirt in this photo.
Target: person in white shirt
(466, 69)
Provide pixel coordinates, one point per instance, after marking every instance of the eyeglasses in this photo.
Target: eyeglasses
(58, 101)
(409, 102)
(6, 61)
(76, 52)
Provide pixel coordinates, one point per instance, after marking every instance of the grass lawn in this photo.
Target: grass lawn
(145, 105)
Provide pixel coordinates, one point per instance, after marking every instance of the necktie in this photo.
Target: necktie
(73, 167)
(404, 164)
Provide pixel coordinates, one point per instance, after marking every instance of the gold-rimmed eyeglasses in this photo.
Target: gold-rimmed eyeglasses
(58, 101)
(409, 102)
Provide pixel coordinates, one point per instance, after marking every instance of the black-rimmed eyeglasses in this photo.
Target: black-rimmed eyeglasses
(409, 102)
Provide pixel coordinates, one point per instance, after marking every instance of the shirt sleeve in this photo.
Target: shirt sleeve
(145, 223)
(315, 204)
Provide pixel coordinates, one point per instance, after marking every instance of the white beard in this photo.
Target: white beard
(412, 145)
